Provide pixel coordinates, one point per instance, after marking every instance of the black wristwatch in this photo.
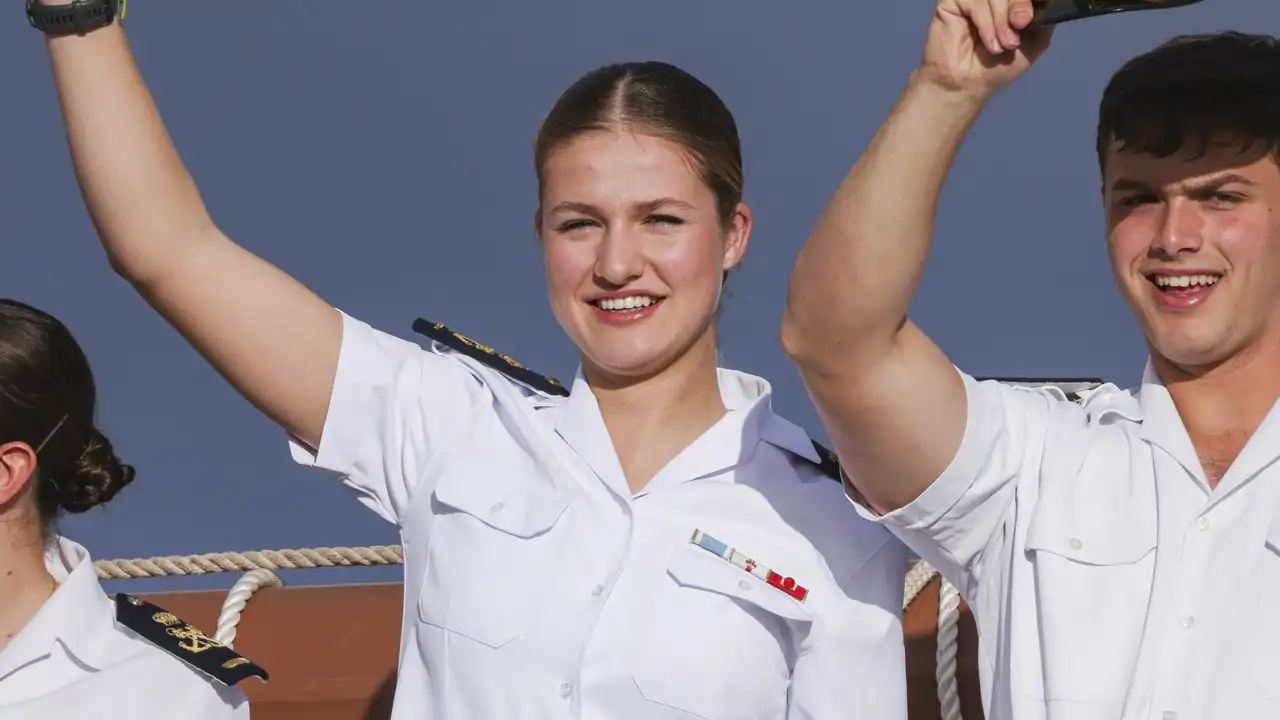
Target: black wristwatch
(78, 16)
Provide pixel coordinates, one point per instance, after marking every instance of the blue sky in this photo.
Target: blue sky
(383, 158)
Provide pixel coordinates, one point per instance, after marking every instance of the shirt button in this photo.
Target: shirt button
(1203, 523)
(1075, 543)
(744, 584)
(496, 507)
(1168, 715)
(597, 590)
(1188, 622)
(565, 690)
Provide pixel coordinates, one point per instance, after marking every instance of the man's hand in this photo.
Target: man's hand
(976, 47)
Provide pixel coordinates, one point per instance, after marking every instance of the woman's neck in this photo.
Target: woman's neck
(653, 420)
(25, 582)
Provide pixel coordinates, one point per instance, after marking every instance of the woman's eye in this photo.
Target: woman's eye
(572, 225)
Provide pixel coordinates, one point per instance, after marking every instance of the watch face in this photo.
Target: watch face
(1052, 12)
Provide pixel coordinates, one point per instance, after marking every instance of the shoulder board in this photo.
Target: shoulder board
(183, 640)
(1071, 387)
(487, 355)
(829, 464)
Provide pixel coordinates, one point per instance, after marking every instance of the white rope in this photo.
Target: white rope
(948, 648)
(918, 578)
(244, 588)
(246, 561)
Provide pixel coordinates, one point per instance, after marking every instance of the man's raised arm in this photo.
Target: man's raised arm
(891, 401)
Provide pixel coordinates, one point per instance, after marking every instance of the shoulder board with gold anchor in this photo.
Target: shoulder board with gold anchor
(828, 463)
(183, 640)
(487, 355)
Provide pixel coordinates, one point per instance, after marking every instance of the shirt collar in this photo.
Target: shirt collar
(1162, 426)
(78, 615)
(732, 441)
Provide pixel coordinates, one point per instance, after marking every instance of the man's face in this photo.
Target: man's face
(1195, 248)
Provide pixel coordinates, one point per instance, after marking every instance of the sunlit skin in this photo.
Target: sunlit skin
(1216, 215)
(1216, 348)
(622, 214)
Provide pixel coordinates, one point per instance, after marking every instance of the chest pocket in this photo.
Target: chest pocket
(1094, 563)
(487, 549)
(720, 642)
(1262, 618)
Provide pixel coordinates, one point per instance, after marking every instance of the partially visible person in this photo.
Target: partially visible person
(67, 651)
(1122, 555)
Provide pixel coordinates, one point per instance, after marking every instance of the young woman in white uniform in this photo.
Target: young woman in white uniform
(67, 651)
(651, 542)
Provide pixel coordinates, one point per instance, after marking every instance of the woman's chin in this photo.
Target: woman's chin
(624, 367)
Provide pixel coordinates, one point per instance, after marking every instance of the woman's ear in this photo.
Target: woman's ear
(17, 467)
(738, 236)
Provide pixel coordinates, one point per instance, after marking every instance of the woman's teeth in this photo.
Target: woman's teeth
(626, 303)
(1176, 281)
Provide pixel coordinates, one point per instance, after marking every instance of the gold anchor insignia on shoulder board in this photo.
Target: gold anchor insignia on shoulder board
(195, 641)
(170, 633)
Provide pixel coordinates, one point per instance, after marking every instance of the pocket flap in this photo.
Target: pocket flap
(1113, 540)
(694, 567)
(1273, 533)
(516, 508)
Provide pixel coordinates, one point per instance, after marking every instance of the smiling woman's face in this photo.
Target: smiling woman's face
(635, 250)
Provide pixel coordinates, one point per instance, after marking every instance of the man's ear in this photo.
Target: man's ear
(17, 468)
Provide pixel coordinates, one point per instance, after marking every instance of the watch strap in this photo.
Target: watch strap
(77, 17)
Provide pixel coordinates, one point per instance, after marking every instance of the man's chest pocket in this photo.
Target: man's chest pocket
(1092, 581)
(1260, 623)
(486, 553)
(719, 642)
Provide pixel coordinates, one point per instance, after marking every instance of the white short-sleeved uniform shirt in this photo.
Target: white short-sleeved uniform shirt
(74, 661)
(1106, 577)
(538, 586)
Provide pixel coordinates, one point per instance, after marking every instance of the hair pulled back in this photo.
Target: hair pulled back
(657, 99)
(48, 400)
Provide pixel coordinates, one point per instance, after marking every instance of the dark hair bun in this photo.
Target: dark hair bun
(98, 476)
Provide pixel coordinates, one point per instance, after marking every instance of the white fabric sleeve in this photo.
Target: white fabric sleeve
(963, 523)
(393, 406)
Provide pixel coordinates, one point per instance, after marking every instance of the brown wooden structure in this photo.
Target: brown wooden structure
(332, 651)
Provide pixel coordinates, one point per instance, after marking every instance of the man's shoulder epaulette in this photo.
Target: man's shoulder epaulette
(828, 463)
(185, 641)
(1072, 388)
(487, 355)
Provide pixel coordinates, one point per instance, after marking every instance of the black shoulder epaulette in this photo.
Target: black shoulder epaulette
(828, 463)
(487, 355)
(177, 637)
(1071, 387)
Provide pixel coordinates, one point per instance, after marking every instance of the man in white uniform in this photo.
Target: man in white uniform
(1121, 555)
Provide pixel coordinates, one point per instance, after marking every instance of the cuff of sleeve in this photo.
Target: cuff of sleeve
(351, 403)
(943, 493)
